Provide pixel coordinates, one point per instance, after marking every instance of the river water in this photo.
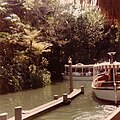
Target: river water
(83, 107)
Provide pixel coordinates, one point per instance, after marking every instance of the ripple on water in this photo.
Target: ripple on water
(100, 113)
(83, 107)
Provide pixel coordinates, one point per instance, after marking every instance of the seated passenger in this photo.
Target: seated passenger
(89, 73)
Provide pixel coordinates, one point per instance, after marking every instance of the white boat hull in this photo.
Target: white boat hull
(87, 78)
(107, 94)
(106, 80)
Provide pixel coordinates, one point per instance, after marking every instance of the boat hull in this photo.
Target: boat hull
(86, 78)
(107, 94)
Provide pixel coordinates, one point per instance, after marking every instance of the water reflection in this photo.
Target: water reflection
(83, 107)
(30, 98)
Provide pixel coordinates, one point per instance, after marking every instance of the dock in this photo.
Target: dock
(35, 112)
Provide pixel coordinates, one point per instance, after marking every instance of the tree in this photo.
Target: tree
(31, 36)
(110, 8)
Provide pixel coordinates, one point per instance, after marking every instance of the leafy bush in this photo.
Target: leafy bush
(42, 78)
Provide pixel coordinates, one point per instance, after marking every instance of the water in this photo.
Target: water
(83, 107)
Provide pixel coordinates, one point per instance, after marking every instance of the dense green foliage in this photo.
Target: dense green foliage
(37, 37)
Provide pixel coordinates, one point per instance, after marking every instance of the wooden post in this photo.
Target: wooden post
(66, 100)
(70, 70)
(82, 89)
(3, 116)
(55, 97)
(18, 113)
(65, 97)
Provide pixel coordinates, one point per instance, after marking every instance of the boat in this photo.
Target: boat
(79, 72)
(106, 80)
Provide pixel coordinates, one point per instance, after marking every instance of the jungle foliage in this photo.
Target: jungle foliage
(38, 36)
